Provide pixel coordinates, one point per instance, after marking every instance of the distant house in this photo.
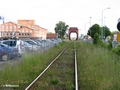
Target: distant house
(51, 35)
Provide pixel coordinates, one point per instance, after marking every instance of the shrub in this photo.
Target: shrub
(117, 50)
(109, 46)
(98, 41)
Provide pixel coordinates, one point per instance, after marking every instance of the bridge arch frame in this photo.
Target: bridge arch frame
(71, 30)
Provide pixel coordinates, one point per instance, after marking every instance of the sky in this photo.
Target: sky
(75, 13)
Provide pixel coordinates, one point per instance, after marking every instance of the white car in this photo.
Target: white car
(30, 47)
(32, 42)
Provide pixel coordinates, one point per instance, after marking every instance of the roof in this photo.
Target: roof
(73, 28)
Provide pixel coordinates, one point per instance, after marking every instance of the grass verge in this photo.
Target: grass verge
(31, 66)
(99, 68)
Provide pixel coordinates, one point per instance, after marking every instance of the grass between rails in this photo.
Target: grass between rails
(31, 66)
(60, 76)
(99, 69)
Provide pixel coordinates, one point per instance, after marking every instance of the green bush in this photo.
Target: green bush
(98, 41)
(109, 46)
(117, 50)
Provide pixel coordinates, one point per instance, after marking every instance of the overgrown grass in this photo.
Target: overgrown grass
(31, 66)
(99, 69)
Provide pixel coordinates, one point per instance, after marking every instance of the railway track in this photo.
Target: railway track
(60, 74)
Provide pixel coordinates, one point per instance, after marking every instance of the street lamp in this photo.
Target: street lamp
(90, 21)
(104, 28)
(102, 18)
(104, 21)
(90, 25)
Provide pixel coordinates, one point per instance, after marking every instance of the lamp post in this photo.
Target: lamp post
(104, 28)
(104, 21)
(102, 18)
(90, 25)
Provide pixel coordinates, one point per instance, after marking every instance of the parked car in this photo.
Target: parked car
(7, 52)
(30, 47)
(33, 43)
(50, 42)
(39, 43)
(54, 41)
(19, 44)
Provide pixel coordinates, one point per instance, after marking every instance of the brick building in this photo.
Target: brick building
(51, 35)
(23, 29)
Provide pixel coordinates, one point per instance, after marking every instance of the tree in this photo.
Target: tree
(94, 29)
(106, 31)
(61, 29)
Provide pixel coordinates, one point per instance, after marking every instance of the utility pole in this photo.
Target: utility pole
(90, 25)
(102, 19)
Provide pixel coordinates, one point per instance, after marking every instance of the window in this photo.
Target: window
(21, 26)
(10, 43)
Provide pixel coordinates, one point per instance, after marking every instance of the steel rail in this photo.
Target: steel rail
(76, 74)
(32, 83)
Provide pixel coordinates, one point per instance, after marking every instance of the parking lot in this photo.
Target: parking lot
(26, 46)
